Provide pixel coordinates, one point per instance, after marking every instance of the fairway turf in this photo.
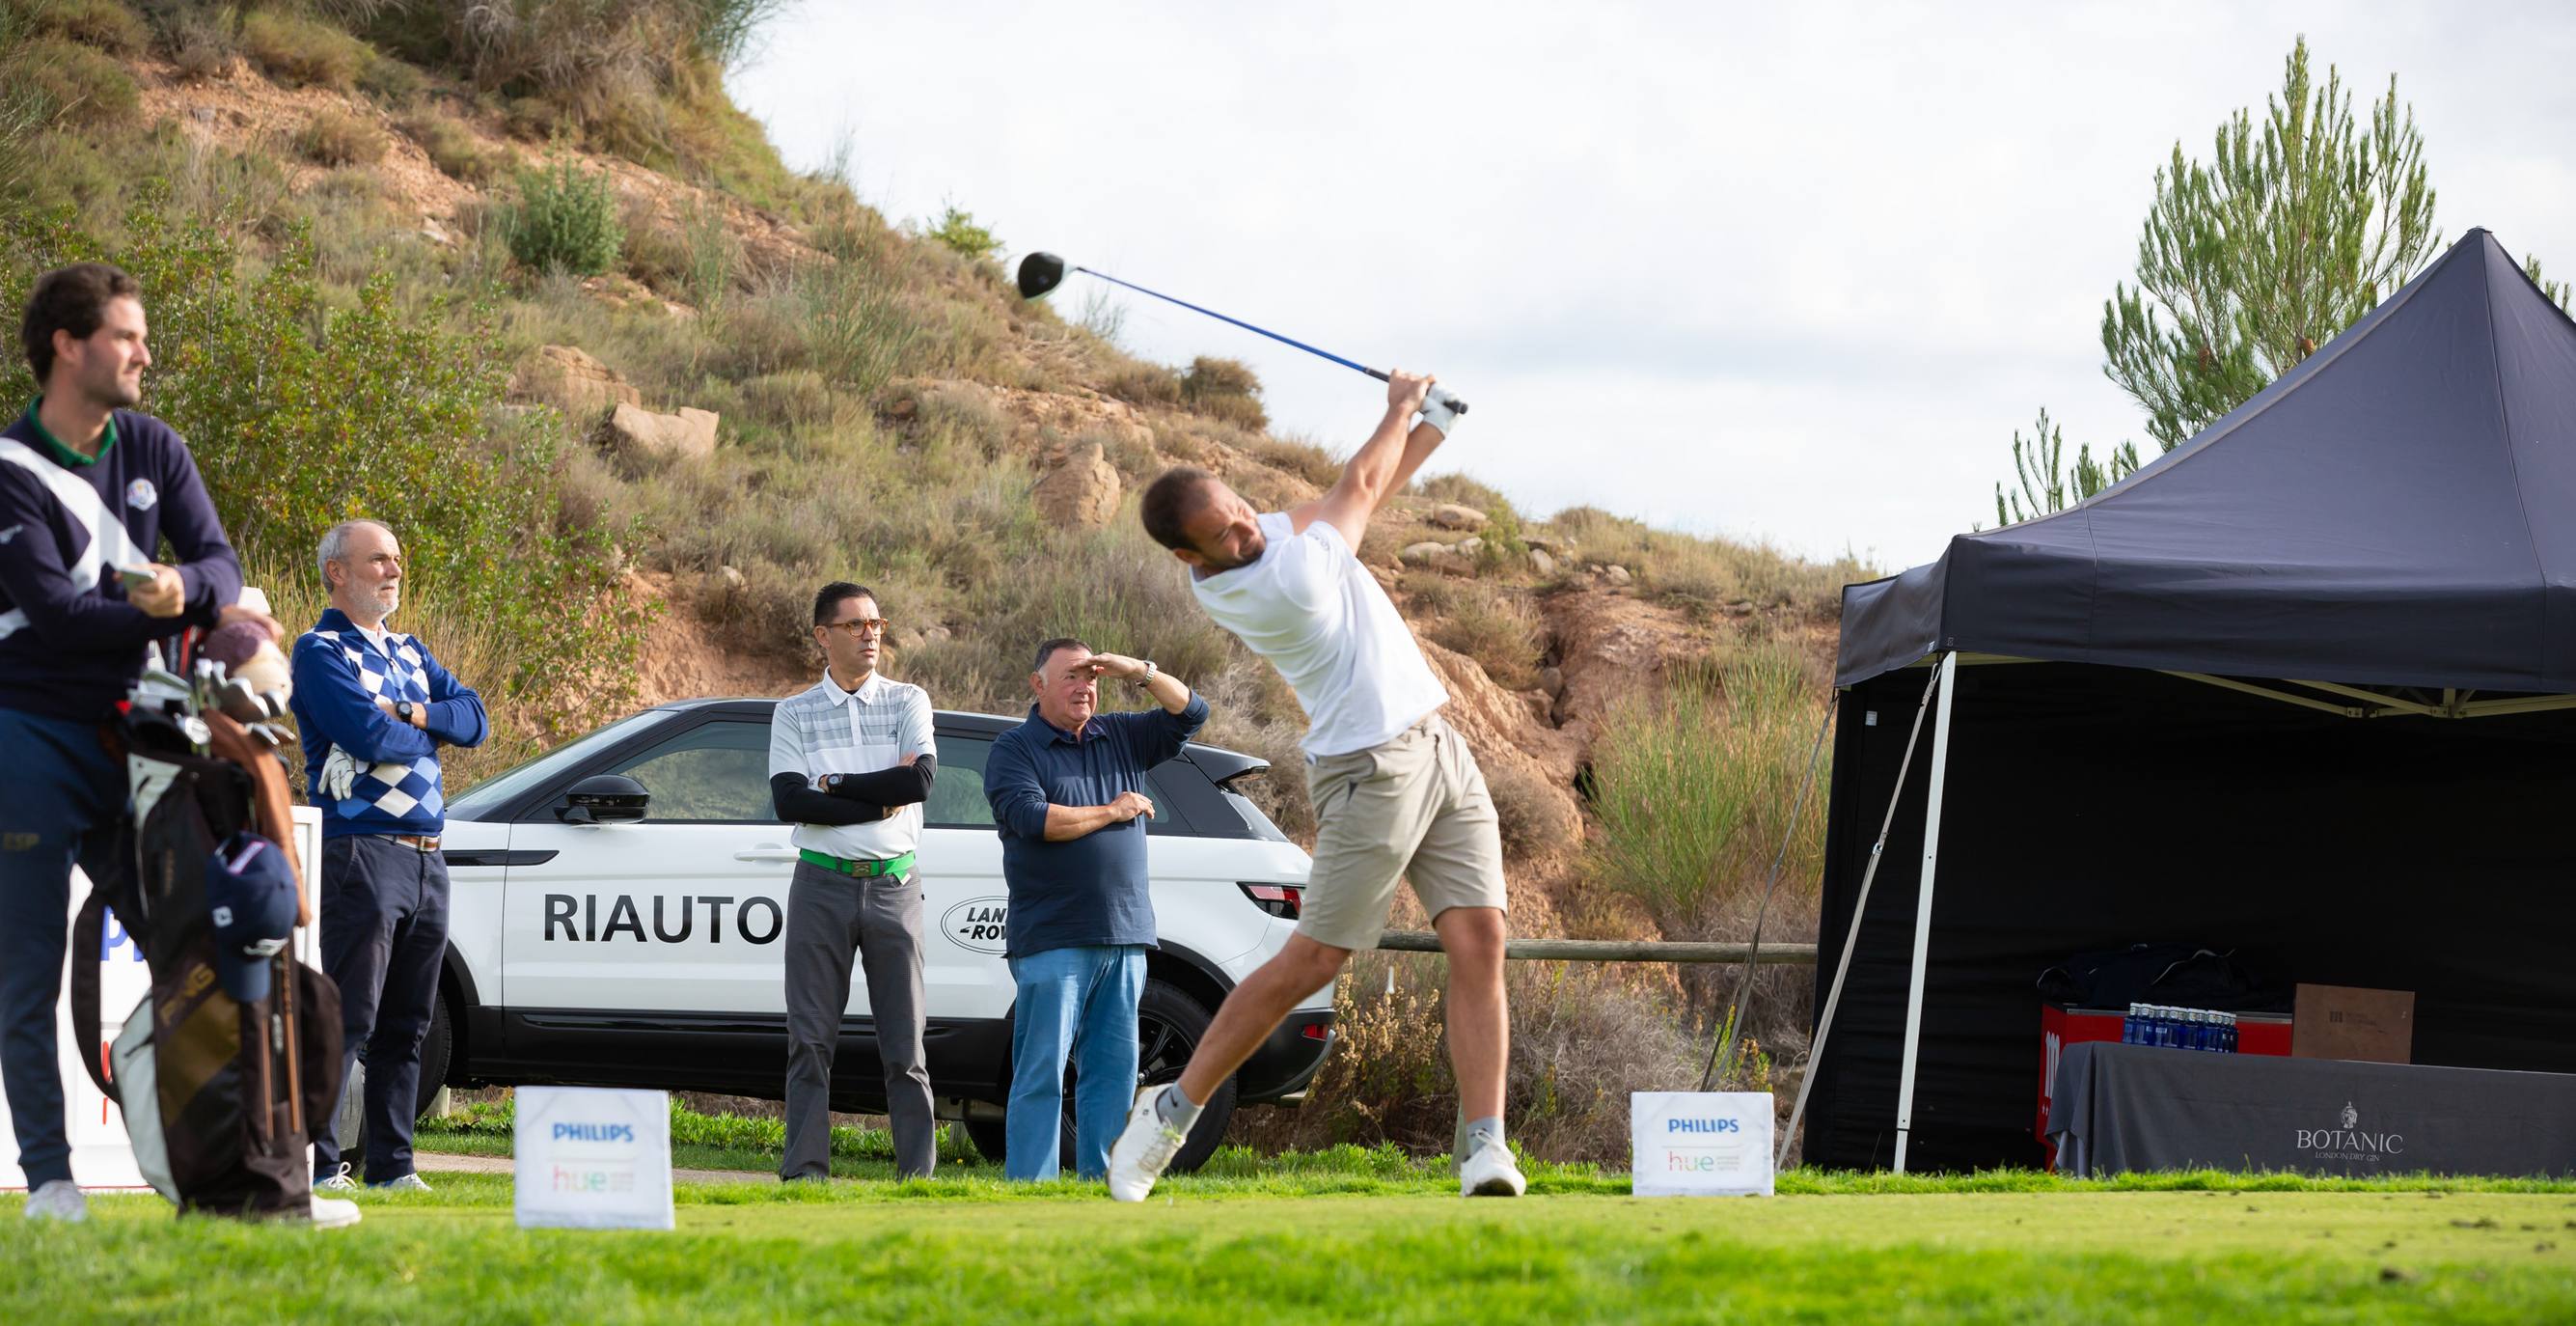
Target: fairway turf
(1285, 1245)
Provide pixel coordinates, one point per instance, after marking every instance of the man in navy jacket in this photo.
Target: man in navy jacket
(373, 707)
(89, 489)
(1068, 790)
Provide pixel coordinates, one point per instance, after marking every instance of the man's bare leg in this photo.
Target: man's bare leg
(1480, 1032)
(1255, 1009)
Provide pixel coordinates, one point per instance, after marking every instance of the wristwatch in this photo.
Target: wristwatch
(1148, 678)
(402, 710)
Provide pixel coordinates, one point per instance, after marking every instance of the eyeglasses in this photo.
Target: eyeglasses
(858, 626)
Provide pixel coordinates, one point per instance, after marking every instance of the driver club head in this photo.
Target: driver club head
(1039, 274)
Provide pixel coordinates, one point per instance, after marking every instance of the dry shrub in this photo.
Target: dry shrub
(1496, 627)
(1703, 573)
(104, 24)
(1144, 384)
(301, 52)
(1533, 815)
(451, 147)
(336, 138)
(1306, 460)
(1583, 1038)
(1225, 390)
(68, 83)
(200, 44)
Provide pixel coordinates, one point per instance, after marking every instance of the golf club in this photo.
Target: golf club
(1041, 273)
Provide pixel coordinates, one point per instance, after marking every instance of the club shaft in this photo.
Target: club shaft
(1285, 340)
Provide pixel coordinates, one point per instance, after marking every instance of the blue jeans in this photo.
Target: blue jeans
(1079, 1002)
(66, 797)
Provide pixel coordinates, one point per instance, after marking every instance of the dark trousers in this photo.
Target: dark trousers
(65, 800)
(384, 934)
(828, 917)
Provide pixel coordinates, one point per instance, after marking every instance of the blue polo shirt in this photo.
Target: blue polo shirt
(1092, 890)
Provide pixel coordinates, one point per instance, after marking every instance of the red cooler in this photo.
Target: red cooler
(2060, 1026)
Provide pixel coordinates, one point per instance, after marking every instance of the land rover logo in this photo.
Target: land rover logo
(978, 924)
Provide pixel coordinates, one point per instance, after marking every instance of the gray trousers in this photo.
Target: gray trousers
(830, 917)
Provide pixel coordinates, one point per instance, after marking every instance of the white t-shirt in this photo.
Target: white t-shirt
(1310, 608)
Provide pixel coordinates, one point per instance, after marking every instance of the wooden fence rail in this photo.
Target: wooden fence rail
(1614, 950)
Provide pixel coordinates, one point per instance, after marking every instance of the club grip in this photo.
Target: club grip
(1380, 374)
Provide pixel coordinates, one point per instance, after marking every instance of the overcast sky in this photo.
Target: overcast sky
(1792, 273)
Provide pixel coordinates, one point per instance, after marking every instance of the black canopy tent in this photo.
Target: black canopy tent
(2304, 687)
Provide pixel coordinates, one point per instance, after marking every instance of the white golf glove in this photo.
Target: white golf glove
(339, 774)
(1439, 409)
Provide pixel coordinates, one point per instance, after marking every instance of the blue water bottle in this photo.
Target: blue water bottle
(2129, 1027)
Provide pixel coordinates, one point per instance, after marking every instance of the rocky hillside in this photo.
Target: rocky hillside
(772, 385)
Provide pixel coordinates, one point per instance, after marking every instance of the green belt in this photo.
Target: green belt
(893, 865)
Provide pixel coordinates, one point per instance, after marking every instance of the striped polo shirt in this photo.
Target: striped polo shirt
(827, 730)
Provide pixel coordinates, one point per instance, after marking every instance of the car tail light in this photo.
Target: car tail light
(1280, 900)
(1316, 1031)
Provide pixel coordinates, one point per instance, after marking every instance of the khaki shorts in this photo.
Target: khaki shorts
(1415, 807)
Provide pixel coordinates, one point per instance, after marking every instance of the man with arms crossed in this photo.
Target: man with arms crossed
(850, 762)
(1068, 790)
(373, 707)
(1395, 790)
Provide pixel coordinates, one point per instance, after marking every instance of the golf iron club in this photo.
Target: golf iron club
(1041, 273)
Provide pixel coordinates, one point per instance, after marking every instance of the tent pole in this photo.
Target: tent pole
(1923, 908)
(1860, 908)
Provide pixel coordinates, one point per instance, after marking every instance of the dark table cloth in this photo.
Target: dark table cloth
(2116, 1108)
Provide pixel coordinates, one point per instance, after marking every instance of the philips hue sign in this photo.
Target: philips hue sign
(1700, 1143)
(592, 1158)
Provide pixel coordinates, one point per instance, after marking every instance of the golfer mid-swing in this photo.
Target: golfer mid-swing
(1396, 791)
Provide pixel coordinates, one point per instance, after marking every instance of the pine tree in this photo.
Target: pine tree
(2292, 231)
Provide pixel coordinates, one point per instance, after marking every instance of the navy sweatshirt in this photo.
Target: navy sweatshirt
(70, 644)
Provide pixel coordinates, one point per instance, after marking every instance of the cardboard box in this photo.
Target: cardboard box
(2346, 1022)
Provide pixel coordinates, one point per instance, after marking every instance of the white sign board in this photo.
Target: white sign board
(593, 1158)
(102, 1157)
(1700, 1143)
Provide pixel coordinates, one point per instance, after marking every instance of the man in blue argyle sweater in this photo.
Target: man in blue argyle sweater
(373, 707)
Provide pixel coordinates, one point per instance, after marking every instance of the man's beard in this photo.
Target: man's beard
(114, 394)
(384, 604)
(1251, 553)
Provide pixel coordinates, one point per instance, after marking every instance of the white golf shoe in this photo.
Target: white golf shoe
(334, 1213)
(1144, 1150)
(58, 1199)
(1489, 1171)
(338, 1182)
(407, 1183)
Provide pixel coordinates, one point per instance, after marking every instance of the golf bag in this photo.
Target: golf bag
(220, 1097)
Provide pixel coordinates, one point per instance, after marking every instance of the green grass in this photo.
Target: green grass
(1232, 1248)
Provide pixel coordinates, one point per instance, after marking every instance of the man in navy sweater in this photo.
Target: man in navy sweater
(1068, 790)
(373, 708)
(88, 491)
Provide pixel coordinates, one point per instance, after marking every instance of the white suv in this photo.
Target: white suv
(619, 902)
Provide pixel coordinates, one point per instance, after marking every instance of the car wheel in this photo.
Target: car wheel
(1169, 1026)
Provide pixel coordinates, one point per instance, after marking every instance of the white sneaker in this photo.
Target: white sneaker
(407, 1183)
(1144, 1150)
(58, 1199)
(339, 1182)
(1489, 1171)
(334, 1213)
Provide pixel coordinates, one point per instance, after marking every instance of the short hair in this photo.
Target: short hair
(830, 596)
(1047, 651)
(72, 299)
(335, 545)
(1170, 499)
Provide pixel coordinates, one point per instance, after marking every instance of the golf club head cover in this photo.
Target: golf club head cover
(1440, 410)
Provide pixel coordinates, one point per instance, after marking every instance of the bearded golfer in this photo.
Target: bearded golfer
(1396, 790)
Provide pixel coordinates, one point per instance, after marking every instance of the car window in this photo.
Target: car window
(489, 797)
(957, 790)
(717, 771)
